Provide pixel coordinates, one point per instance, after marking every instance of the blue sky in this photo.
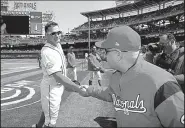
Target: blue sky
(67, 13)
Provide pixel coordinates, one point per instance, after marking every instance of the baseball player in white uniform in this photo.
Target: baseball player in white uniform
(54, 75)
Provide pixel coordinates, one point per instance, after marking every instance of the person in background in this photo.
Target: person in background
(164, 59)
(39, 60)
(177, 67)
(149, 55)
(94, 66)
(71, 64)
(3, 26)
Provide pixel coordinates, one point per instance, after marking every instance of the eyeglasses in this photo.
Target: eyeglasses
(110, 50)
(56, 33)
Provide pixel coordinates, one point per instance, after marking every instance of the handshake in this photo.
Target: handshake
(83, 89)
(100, 69)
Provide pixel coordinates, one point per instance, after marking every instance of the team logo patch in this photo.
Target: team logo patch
(182, 119)
(133, 106)
(49, 65)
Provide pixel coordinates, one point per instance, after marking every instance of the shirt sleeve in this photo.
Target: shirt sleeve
(51, 61)
(102, 93)
(169, 105)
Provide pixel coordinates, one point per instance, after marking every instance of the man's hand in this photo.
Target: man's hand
(83, 92)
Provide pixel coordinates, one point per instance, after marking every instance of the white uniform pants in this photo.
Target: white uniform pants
(71, 73)
(51, 96)
(94, 74)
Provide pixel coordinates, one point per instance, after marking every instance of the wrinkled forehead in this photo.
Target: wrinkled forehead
(53, 29)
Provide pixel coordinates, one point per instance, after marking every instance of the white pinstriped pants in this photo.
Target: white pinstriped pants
(51, 96)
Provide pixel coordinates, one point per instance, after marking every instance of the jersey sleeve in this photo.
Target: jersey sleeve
(51, 61)
(102, 93)
(169, 105)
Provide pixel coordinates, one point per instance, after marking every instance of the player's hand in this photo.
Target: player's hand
(84, 86)
(83, 92)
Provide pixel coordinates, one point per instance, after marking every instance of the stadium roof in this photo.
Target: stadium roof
(122, 8)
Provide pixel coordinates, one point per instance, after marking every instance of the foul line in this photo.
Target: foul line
(22, 106)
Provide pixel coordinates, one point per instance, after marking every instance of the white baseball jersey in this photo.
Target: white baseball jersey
(52, 60)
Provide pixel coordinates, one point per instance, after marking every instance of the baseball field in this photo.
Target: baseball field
(20, 98)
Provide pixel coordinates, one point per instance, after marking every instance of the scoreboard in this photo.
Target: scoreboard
(22, 22)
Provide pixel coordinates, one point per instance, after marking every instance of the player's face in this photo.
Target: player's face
(113, 57)
(110, 55)
(54, 34)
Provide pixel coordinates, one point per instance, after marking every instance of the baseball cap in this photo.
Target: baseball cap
(123, 38)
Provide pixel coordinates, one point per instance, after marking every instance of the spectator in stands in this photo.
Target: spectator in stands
(3, 26)
(71, 64)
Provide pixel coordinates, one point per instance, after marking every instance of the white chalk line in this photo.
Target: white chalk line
(17, 93)
(22, 106)
(18, 69)
(29, 96)
(82, 82)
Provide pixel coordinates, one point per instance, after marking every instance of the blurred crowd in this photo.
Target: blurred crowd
(19, 40)
(150, 30)
(135, 19)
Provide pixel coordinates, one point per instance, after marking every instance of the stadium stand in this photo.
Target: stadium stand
(149, 25)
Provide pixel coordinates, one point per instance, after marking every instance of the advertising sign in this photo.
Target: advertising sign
(25, 5)
(36, 17)
(36, 28)
(46, 17)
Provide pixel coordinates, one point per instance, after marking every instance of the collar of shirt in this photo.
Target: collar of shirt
(134, 71)
(57, 47)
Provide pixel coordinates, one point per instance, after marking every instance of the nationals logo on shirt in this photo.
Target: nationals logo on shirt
(133, 106)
